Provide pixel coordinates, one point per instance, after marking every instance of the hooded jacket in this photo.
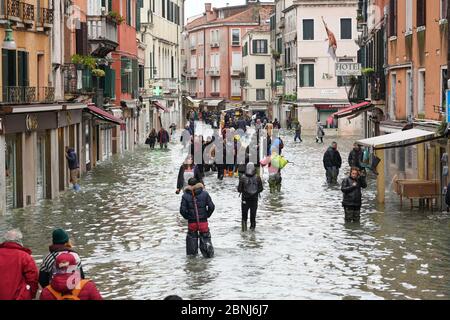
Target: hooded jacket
(19, 273)
(352, 194)
(332, 158)
(250, 173)
(205, 206)
(59, 283)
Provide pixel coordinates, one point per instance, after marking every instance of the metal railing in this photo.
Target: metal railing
(27, 11)
(102, 28)
(13, 8)
(46, 16)
(19, 94)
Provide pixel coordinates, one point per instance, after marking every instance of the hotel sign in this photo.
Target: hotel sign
(346, 69)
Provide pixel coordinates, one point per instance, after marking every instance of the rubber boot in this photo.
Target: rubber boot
(244, 226)
(206, 246)
(192, 243)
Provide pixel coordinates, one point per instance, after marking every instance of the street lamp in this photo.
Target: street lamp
(8, 42)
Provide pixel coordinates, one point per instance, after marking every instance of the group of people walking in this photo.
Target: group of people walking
(60, 275)
(162, 137)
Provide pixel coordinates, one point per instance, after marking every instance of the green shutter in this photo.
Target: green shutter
(311, 75)
(301, 68)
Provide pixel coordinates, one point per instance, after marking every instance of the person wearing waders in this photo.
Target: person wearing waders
(250, 186)
(351, 188)
(196, 207)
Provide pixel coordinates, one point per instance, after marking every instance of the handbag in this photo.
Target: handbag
(147, 141)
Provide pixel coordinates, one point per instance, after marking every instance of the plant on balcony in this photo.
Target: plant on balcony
(116, 16)
(368, 71)
(98, 73)
(290, 97)
(276, 55)
(360, 18)
(88, 61)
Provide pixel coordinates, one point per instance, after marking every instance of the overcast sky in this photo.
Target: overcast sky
(195, 7)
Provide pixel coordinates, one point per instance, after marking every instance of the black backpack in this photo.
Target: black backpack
(250, 186)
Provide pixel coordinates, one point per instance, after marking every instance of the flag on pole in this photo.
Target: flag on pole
(332, 43)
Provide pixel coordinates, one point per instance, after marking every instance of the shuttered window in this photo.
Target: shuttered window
(308, 29)
(23, 69)
(421, 13)
(259, 46)
(260, 72)
(81, 36)
(393, 18)
(346, 29)
(306, 75)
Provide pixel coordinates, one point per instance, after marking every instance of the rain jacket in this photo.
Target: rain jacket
(352, 194)
(332, 158)
(59, 283)
(245, 179)
(72, 159)
(19, 273)
(163, 136)
(205, 205)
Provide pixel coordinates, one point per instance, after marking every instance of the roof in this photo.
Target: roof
(257, 13)
(395, 138)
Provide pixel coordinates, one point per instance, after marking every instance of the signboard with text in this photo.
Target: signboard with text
(346, 69)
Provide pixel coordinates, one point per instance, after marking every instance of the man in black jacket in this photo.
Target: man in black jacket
(332, 162)
(355, 157)
(250, 186)
(351, 187)
(197, 207)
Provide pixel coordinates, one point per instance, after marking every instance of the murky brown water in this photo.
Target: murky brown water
(127, 229)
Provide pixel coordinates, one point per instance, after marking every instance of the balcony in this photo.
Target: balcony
(213, 72)
(192, 73)
(235, 71)
(102, 35)
(45, 19)
(24, 95)
(215, 44)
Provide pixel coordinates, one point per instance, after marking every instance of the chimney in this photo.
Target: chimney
(210, 14)
(207, 7)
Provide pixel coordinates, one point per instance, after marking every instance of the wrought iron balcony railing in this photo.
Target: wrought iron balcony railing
(19, 94)
(27, 11)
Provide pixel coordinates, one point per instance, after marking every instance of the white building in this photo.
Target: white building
(320, 93)
(256, 64)
(161, 28)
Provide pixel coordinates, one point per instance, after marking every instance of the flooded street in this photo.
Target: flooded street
(126, 225)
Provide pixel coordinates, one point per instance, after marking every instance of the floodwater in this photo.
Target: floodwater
(126, 226)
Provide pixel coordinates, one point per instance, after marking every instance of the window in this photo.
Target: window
(393, 100)
(260, 72)
(215, 85)
(128, 12)
(245, 49)
(215, 60)
(163, 8)
(409, 16)
(272, 23)
(194, 63)
(200, 85)
(193, 40)
(141, 76)
(278, 77)
(308, 29)
(444, 5)
(393, 18)
(341, 81)
(214, 36)
(126, 79)
(421, 89)
(421, 13)
(280, 45)
(260, 94)
(236, 61)
(287, 56)
(409, 95)
(236, 87)
(306, 75)
(201, 62)
(200, 38)
(235, 37)
(444, 78)
(260, 46)
(346, 29)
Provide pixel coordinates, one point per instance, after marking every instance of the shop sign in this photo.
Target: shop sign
(31, 122)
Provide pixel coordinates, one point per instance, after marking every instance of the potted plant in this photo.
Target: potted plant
(368, 72)
(116, 16)
(98, 73)
(275, 54)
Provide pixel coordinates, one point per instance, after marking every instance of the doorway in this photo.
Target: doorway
(41, 170)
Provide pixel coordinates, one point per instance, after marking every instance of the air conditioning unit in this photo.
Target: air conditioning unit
(215, 44)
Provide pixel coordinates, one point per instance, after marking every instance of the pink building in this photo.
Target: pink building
(214, 49)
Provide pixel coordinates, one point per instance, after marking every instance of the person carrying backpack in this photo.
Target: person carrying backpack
(66, 283)
(250, 186)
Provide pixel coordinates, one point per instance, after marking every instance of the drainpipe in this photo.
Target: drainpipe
(204, 62)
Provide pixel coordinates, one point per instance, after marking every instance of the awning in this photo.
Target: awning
(330, 106)
(212, 103)
(399, 139)
(160, 106)
(103, 115)
(353, 110)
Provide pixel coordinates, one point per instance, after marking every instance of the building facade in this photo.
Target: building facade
(319, 92)
(161, 30)
(214, 50)
(256, 67)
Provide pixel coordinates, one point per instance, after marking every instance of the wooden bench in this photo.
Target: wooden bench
(412, 189)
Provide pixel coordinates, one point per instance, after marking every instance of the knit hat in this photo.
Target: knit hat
(192, 181)
(60, 236)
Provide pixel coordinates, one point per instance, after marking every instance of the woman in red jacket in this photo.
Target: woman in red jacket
(66, 283)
